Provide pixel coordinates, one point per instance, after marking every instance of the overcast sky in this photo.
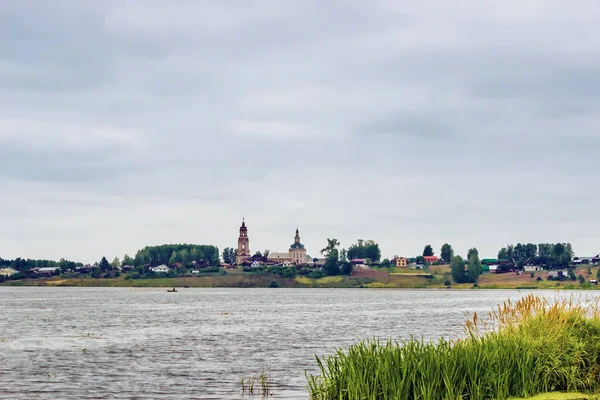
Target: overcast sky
(133, 123)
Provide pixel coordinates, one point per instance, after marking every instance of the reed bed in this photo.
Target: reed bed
(522, 349)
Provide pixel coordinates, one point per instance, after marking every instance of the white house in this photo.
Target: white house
(256, 264)
(7, 271)
(161, 269)
(47, 270)
(532, 268)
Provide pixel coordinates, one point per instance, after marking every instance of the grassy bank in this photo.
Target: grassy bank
(527, 348)
(439, 279)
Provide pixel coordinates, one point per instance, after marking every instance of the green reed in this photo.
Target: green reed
(534, 347)
(264, 382)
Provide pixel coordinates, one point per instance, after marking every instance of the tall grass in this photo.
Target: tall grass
(524, 348)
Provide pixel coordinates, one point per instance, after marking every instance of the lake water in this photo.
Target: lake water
(121, 343)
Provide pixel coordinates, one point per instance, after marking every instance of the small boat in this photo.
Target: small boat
(172, 290)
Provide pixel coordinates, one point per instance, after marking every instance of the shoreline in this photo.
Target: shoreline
(267, 280)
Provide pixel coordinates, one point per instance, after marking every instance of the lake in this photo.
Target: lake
(122, 343)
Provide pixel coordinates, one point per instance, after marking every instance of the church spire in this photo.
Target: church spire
(297, 238)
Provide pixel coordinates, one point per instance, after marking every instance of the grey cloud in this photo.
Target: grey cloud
(352, 119)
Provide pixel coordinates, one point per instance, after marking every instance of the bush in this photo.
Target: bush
(538, 348)
(273, 284)
(532, 275)
(581, 279)
(447, 282)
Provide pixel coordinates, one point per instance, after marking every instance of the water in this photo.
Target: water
(120, 343)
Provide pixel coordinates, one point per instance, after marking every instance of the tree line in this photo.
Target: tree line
(24, 265)
(557, 255)
(169, 254)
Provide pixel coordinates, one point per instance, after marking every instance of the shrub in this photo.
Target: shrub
(537, 347)
(581, 279)
(273, 284)
(447, 282)
(532, 274)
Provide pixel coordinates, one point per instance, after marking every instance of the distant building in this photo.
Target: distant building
(8, 271)
(295, 255)
(297, 251)
(243, 250)
(47, 270)
(431, 259)
(161, 269)
(400, 262)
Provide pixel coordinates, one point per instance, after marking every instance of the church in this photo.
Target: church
(295, 255)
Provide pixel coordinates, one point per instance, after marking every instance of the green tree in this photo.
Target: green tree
(364, 249)
(115, 262)
(332, 245)
(474, 268)
(346, 268)
(173, 259)
(331, 253)
(184, 255)
(471, 252)
(96, 273)
(503, 254)
(428, 251)
(457, 267)
(104, 265)
(331, 266)
(229, 255)
(447, 253)
(127, 260)
(343, 255)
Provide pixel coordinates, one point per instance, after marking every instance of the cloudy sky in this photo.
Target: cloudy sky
(133, 123)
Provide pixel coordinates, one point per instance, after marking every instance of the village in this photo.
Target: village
(193, 260)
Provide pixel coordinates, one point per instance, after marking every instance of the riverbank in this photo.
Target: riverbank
(439, 279)
(535, 347)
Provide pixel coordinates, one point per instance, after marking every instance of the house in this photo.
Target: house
(161, 269)
(489, 268)
(320, 263)
(431, 259)
(127, 267)
(47, 270)
(195, 272)
(256, 264)
(400, 262)
(532, 268)
(8, 271)
(594, 281)
(358, 261)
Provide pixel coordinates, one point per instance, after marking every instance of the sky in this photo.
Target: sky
(127, 124)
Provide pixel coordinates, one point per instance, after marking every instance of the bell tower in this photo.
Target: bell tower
(243, 250)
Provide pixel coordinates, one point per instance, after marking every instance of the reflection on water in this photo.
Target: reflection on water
(199, 343)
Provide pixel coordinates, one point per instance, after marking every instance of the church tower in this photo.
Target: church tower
(243, 250)
(297, 251)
